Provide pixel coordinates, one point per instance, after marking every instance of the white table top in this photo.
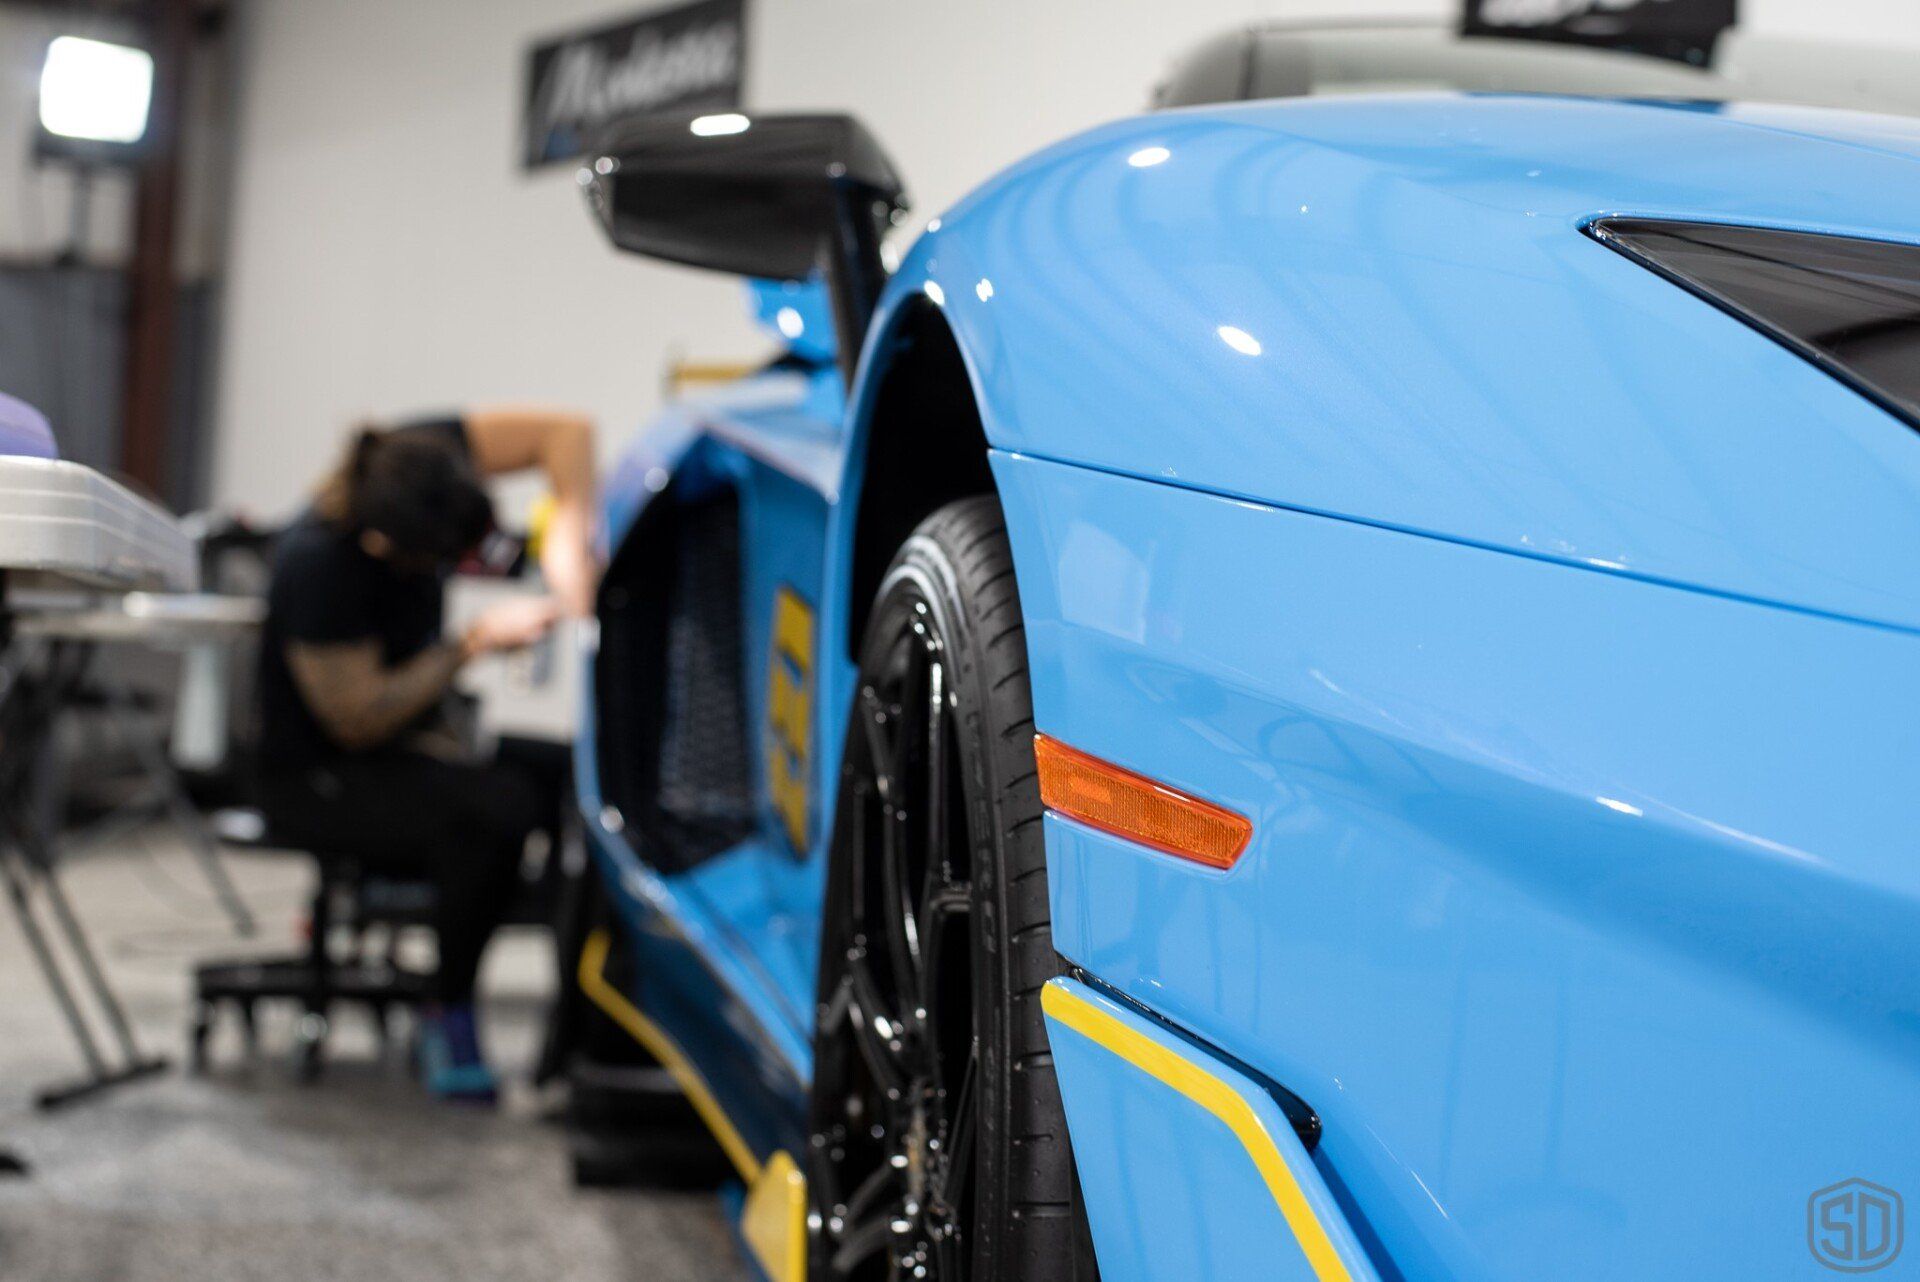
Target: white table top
(157, 618)
(62, 523)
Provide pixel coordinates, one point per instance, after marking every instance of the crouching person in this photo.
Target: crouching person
(359, 757)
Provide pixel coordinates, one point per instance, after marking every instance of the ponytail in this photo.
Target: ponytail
(338, 494)
(366, 439)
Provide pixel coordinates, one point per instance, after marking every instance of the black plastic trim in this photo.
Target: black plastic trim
(1627, 237)
(1300, 1114)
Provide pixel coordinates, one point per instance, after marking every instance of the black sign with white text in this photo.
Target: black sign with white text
(1683, 30)
(688, 58)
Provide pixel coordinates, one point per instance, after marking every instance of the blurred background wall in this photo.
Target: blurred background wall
(388, 254)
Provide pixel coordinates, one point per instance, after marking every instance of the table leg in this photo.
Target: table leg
(185, 816)
(37, 942)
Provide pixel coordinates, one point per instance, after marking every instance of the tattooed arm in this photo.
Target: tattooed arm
(362, 702)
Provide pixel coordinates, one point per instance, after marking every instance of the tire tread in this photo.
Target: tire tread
(1044, 1234)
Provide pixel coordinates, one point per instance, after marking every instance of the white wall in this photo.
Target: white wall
(389, 256)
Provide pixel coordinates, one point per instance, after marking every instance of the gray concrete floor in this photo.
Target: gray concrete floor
(244, 1174)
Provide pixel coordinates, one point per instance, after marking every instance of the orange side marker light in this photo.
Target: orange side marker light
(1130, 805)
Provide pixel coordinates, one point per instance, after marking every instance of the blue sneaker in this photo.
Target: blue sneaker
(449, 1057)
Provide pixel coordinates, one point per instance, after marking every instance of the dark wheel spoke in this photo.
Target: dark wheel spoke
(834, 1009)
(906, 854)
(862, 803)
(862, 1242)
(873, 1192)
(900, 924)
(875, 720)
(875, 1031)
(934, 746)
(944, 903)
(823, 1175)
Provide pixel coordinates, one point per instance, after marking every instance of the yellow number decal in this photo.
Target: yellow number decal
(790, 712)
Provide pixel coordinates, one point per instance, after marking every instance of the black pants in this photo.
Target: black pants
(462, 827)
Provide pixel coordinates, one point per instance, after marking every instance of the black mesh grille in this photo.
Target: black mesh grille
(671, 717)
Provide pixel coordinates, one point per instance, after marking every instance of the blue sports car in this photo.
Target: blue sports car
(1317, 689)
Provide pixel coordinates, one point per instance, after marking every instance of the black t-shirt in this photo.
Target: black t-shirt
(326, 588)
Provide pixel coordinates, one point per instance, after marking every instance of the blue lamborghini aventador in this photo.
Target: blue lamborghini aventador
(1308, 689)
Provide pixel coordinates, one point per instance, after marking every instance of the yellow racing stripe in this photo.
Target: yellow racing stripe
(1067, 1007)
(602, 993)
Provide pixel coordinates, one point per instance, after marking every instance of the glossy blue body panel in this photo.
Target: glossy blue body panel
(1583, 910)
(693, 982)
(797, 313)
(739, 933)
(1555, 629)
(1426, 341)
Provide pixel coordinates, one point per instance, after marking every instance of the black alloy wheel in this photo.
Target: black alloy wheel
(939, 1148)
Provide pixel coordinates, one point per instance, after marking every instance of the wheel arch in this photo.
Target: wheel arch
(920, 443)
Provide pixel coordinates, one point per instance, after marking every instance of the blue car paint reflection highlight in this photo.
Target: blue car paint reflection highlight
(1238, 339)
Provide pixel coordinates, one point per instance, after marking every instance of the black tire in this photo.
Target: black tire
(938, 1140)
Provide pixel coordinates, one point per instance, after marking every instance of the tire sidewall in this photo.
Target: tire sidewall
(925, 573)
(991, 715)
